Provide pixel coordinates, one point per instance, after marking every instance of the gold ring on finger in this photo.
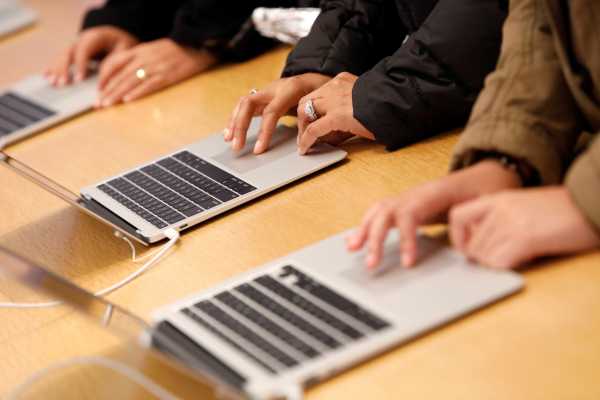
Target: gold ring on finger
(141, 74)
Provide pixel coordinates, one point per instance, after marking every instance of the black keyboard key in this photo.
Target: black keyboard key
(15, 106)
(265, 323)
(201, 321)
(148, 202)
(238, 185)
(16, 113)
(200, 181)
(132, 206)
(8, 126)
(163, 194)
(3, 131)
(334, 299)
(182, 188)
(215, 173)
(242, 330)
(15, 117)
(287, 315)
(167, 338)
(25, 106)
(308, 306)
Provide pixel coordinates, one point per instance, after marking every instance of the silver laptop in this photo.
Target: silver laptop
(32, 105)
(13, 16)
(190, 185)
(300, 319)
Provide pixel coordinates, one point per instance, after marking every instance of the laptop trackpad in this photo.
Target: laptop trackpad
(283, 143)
(387, 281)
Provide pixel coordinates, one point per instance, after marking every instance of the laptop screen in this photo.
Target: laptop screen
(24, 281)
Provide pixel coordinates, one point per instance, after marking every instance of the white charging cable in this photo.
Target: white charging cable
(140, 379)
(155, 256)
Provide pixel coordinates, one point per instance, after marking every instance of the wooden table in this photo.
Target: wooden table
(541, 344)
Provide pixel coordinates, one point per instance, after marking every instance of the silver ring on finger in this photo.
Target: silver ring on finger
(253, 91)
(309, 110)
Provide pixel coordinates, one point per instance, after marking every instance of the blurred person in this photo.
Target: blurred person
(145, 46)
(525, 180)
(392, 71)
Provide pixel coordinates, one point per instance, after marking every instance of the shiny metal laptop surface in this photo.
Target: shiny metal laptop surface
(32, 105)
(278, 167)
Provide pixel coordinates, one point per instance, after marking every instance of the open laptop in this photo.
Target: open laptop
(190, 185)
(13, 16)
(300, 319)
(32, 105)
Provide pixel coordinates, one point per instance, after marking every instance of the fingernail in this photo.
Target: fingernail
(258, 147)
(236, 143)
(78, 77)
(405, 260)
(226, 133)
(351, 240)
(351, 245)
(107, 103)
(371, 260)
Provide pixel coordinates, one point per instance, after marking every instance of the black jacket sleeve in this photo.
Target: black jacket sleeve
(227, 32)
(431, 82)
(348, 36)
(224, 30)
(146, 20)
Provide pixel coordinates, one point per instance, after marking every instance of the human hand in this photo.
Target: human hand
(508, 229)
(426, 204)
(274, 101)
(146, 68)
(335, 121)
(89, 44)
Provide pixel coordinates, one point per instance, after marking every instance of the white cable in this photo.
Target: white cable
(155, 256)
(134, 256)
(142, 380)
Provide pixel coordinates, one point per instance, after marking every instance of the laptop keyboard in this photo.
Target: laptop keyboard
(175, 188)
(281, 320)
(17, 113)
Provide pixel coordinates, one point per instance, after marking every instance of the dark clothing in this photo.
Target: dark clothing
(211, 24)
(421, 63)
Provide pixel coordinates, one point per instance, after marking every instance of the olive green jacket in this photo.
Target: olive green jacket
(543, 98)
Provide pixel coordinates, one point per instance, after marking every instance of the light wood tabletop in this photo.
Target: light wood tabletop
(543, 343)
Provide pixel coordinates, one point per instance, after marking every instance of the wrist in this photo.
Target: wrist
(503, 169)
(203, 57)
(484, 177)
(528, 176)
